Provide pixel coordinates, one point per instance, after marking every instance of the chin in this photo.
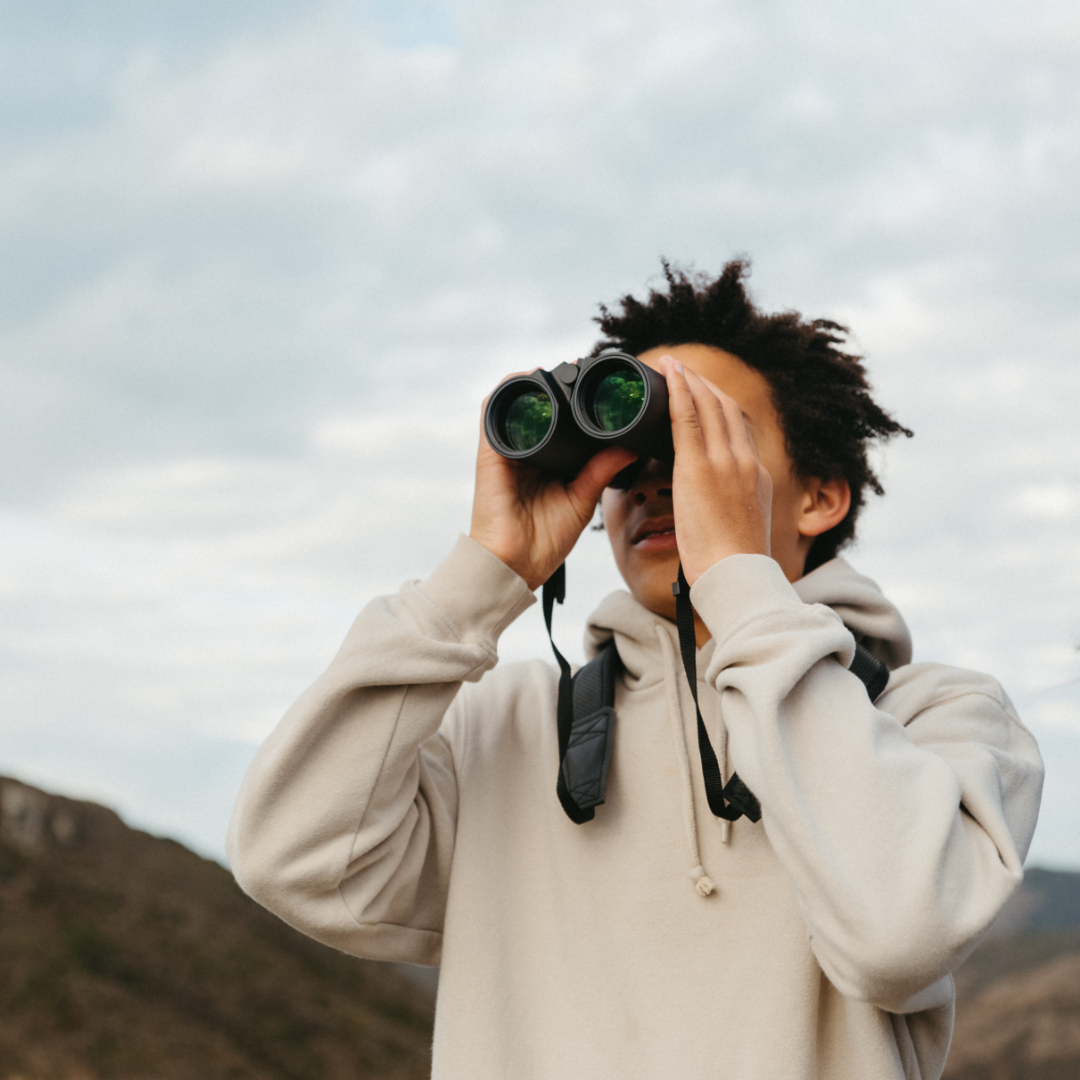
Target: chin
(649, 578)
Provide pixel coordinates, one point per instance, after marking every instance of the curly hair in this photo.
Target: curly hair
(820, 392)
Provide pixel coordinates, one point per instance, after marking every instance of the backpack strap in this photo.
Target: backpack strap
(586, 718)
(584, 766)
(554, 592)
(873, 672)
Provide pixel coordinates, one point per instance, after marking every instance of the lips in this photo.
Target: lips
(654, 533)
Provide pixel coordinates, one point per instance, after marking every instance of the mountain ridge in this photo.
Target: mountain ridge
(127, 956)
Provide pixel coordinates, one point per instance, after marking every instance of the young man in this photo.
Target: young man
(405, 807)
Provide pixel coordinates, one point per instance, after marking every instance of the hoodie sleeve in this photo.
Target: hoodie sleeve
(344, 826)
(903, 825)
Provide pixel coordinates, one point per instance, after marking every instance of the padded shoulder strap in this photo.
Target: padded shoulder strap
(584, 767)
(594, 684)
(585, 716)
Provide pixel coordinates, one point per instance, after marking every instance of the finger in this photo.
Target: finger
(740, 432)
(742, 438)
(712, 416)
(599, 471)
(685, 427)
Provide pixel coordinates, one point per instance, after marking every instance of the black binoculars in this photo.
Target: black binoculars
(557, 420)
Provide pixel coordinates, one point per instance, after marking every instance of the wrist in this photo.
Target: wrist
(476, 591)
(507, 556)
(700, 562)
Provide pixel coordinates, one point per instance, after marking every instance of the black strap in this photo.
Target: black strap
(739, 798)
(586, 715)
(584, 766)
(554, 591)
(873, 672)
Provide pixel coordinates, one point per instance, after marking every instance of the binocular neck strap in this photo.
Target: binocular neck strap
(554, 591)
(731, 801)
(736, 799)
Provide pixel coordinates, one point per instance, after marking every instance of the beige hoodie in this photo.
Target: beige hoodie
(397, 814)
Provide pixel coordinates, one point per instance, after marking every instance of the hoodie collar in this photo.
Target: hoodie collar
(634, 628)
(874, 620)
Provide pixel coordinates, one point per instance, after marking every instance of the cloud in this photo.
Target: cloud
(263, 264)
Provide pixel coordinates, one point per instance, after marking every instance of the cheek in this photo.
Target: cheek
(613, 509)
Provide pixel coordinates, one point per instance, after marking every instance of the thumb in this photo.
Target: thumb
(598, 472)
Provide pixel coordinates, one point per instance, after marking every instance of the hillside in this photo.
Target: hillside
(1024, 1026)
(1040, 923)
(127, 957)
(1018, 995)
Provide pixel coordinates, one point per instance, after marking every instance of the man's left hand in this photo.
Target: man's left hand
(721, 492)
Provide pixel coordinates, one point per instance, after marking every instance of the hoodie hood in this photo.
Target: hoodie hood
(634, 628)
(874, 620)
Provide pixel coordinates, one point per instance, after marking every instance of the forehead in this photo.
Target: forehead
(737, 379)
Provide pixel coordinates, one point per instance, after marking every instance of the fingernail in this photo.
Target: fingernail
(678, 367)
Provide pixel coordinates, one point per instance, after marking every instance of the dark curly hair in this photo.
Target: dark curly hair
(820, 392)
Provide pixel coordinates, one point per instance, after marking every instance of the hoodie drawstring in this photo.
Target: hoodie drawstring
(701, 880)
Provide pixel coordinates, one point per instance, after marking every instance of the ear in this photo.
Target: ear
(825, 503)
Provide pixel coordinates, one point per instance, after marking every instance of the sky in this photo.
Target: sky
(264, 260)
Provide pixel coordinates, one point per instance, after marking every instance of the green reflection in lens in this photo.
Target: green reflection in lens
(618, 399)
(528, 419)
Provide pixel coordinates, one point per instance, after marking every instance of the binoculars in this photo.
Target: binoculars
(557, 420)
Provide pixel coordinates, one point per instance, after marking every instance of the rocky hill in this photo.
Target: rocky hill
(1018, 995)
(127, 957)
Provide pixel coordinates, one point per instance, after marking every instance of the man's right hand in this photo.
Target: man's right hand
(531, 520)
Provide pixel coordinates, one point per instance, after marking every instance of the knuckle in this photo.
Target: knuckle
(723, 466)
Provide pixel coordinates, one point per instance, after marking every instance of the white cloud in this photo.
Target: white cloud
(1051, 502)
(263, 265)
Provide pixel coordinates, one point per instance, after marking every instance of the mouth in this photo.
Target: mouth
(657, 534)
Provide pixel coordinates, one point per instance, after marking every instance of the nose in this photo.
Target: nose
(652, 481)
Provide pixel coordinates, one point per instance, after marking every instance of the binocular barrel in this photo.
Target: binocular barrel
(557, 420)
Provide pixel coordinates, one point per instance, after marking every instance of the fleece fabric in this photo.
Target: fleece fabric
(405, 809)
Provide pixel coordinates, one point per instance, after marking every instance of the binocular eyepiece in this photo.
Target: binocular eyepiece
(557, 420)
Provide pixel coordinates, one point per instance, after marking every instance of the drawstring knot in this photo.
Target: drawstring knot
(702, 881)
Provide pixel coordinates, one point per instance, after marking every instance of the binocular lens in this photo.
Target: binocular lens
(617, 399)
(528, 418)
(555, 421)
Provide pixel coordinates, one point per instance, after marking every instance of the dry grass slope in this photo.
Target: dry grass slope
(1018, 996)
(127, 957)
(1023, 1027)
